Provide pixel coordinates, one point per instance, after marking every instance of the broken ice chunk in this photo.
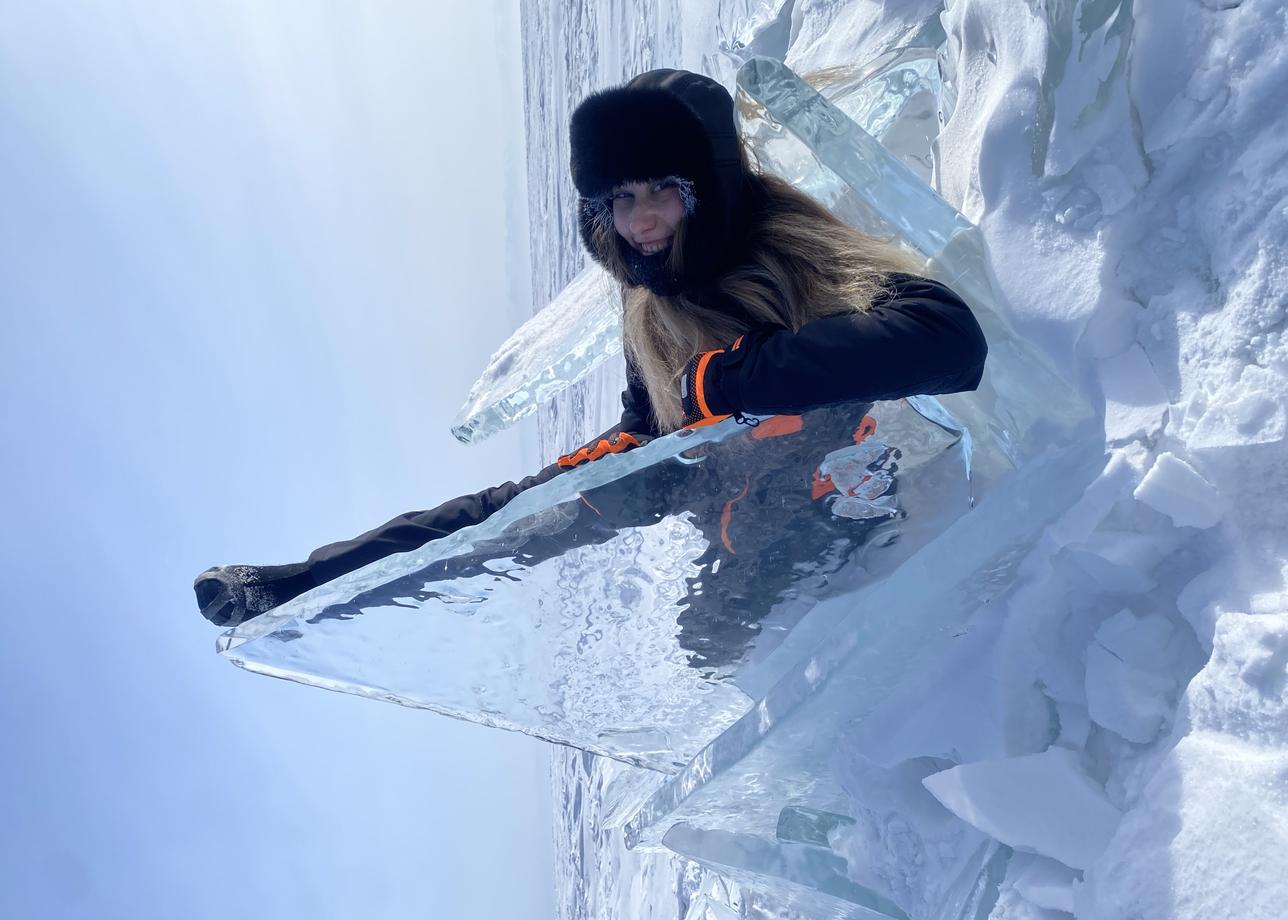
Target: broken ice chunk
(1109, 330)
(704, 907)
(1137, 639)
(1176, 489)
(1122, 562)
(1130, 674)
(1043, 882)
(1074, 724)
(1107, 575)
(1135, 403)
(1039, 803)
(863, 485)
(1247, 411)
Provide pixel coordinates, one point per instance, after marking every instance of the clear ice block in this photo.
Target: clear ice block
(617, 607)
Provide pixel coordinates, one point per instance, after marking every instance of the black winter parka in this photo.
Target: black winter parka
(918, 339)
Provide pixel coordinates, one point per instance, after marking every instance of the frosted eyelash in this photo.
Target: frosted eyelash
(688, 197)
(600, 210)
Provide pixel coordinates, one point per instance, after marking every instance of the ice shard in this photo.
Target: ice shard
(579, 330)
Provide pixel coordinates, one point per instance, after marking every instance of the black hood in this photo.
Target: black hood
(664, 123)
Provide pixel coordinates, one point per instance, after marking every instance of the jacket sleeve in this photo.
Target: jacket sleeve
(919, 339)
(635, 429)
(637, 411)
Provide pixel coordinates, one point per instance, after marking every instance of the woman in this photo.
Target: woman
(742, 297)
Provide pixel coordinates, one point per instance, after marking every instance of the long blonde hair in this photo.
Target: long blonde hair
(802, 263)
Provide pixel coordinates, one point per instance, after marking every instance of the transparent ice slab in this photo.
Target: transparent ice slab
(618, 607)
(893, 98)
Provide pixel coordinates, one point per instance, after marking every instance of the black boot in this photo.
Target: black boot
(232, 594)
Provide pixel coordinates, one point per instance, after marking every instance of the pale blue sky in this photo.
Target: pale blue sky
(251, 256)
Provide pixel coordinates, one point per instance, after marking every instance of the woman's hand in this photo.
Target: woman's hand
(698, 390)
(611, 442)
(702, 396)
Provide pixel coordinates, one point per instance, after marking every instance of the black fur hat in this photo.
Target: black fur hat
(663, 123)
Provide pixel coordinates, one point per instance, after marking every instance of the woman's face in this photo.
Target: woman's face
(646, 214)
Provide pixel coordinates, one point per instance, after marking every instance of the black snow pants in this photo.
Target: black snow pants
(414, 529)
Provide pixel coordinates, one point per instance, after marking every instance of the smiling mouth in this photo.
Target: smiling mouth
(650, 249)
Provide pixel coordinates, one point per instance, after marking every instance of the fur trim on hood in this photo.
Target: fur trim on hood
(664, 123)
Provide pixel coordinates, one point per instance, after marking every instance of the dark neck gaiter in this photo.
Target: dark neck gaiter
(653, 271)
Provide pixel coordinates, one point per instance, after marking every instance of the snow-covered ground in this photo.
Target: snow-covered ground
(1126, 164)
